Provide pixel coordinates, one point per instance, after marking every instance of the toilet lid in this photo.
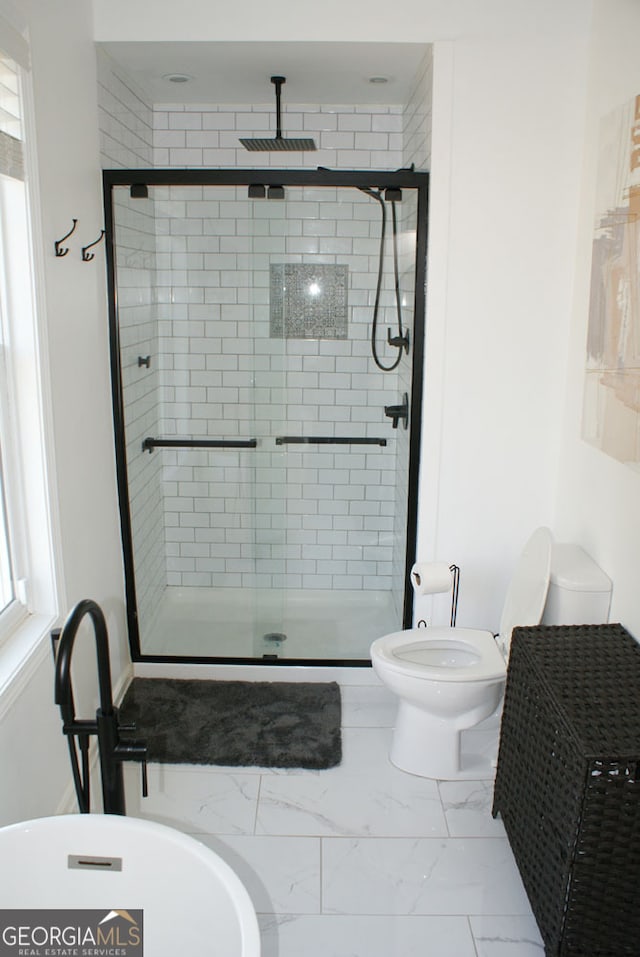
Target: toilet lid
(527, 593)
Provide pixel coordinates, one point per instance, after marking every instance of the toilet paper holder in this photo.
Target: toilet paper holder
(454, 571)
(455, 574)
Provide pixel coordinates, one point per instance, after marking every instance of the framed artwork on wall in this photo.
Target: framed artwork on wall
(611, 411)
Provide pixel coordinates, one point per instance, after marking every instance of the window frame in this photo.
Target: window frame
(25, 422)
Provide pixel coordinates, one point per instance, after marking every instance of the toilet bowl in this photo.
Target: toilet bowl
(450, 679)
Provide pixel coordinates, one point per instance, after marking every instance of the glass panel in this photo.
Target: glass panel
(249, 321)
(339, 470)
(183, 297)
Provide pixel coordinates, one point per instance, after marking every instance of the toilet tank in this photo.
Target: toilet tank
(579, 591)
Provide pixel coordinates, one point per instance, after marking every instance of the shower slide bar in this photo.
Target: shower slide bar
(326, 440)
(150, 444)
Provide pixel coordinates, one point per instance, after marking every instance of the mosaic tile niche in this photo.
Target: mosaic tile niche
(308, 301)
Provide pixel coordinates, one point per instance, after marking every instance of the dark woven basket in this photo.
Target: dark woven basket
(568, 784)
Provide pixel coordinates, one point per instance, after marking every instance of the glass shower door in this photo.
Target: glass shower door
(263, 482)
(331, 470)
(186, 418)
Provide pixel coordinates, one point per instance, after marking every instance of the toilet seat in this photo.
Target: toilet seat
(442, 654)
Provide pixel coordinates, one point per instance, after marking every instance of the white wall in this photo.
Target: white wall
(412, 21)
(506, 144)
(34, 760)
(64, 76)
(598, 500)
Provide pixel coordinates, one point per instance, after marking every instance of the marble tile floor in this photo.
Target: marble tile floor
(361, 860)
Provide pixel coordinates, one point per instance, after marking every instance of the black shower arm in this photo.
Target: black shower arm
(277, 82)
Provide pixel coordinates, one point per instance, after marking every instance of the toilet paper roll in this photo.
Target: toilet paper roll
(431, 578)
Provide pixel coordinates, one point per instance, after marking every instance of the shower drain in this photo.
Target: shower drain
(274, 637)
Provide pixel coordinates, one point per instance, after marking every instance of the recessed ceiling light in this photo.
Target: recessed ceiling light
(177, 77)
(378, 79)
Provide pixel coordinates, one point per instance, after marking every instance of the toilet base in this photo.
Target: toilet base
(429, 748)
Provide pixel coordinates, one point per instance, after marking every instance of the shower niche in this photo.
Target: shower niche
(261, 322)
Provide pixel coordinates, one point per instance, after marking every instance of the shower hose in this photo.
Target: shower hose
(377, 195)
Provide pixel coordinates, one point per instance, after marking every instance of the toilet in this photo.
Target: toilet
(450, 679)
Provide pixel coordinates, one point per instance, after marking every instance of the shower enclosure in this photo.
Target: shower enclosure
(266, 347)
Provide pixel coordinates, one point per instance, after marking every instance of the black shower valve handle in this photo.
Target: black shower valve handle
(398, 412)
(401, 341)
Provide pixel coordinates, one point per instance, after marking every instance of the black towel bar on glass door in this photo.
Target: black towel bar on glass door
(150, 444)
(326, 440)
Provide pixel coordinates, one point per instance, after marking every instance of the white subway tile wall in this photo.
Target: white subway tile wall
(282, 515)
(194, 271)
(126, 131)
(416, 126)
(138, 334)
(126, 119)
(351, 137)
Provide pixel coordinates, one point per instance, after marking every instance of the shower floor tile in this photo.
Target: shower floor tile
(361, 860)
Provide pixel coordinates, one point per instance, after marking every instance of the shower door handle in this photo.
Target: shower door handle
(328, 440)
(149, 444)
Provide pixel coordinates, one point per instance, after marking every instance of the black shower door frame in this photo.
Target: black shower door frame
(372, 179)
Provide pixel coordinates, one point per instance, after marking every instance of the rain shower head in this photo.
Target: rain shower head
(278, 143)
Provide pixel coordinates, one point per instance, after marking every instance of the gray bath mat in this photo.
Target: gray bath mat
(239, 723)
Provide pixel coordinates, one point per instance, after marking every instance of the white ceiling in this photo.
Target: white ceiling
(323, 73)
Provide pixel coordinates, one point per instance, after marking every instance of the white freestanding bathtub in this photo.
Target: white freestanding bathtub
(145, 889)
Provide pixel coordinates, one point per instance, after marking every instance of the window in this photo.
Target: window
(26, 555)
(15, 275)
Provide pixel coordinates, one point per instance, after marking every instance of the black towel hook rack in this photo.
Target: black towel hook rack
(86, 255)
(59, 248)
